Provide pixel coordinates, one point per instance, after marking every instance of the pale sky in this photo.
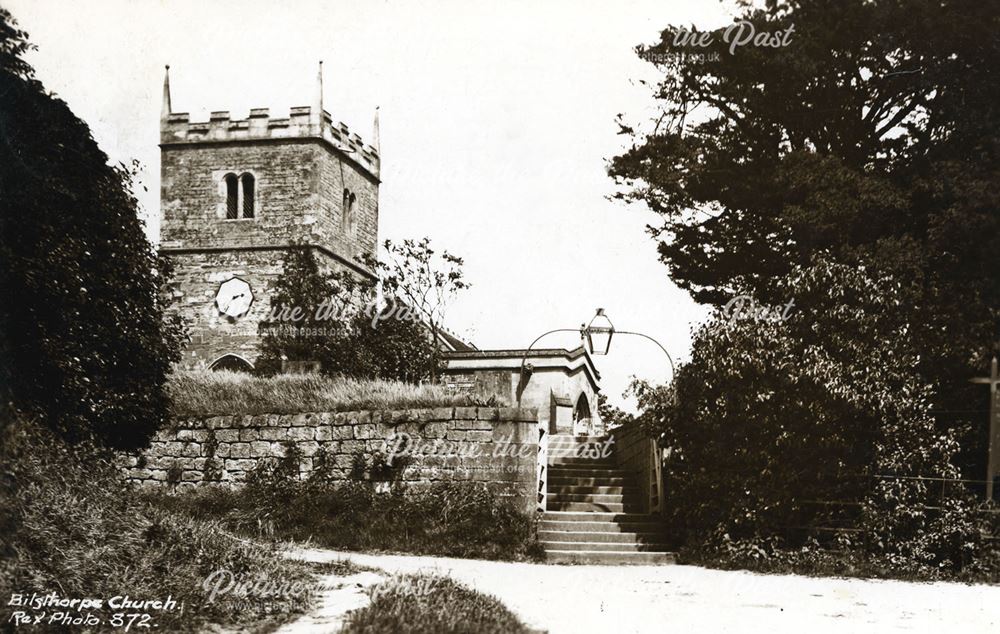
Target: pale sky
(497, 120)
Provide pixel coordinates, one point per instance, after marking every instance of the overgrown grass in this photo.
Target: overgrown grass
(205, 392)
(833, 560)
(450, 519)
(425, 604)
(70, 524)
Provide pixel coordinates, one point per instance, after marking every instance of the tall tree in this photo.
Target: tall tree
(305, 321)
(83, 341)
(416, 275)
(838, 140)
(873, 136)
(333, 317)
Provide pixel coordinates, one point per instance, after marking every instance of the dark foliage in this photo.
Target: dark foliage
(611, 415)
(299, 327)
(83, 342)
(340, 325)
(70, 524)
(424, 281)
(452, 519)
(785, 432)
(872, 136)
(874, 124)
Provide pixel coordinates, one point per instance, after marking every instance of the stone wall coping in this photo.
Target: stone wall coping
(354, 417)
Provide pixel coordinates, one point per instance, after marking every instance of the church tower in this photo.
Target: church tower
(236, 194)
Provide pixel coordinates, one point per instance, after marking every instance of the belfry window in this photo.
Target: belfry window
(248, 200)
(347, 219)
(240, 196)
(232, 196)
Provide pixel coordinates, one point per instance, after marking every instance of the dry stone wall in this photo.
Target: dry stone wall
(495, 446)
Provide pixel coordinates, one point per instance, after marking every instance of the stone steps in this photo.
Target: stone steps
(598, 526)
(592, 512)
(608, 547)
(597, 507)
(595, 498)
(563, 480)
(609, 558)
(566, 440)
(573, 537)
(561, 488)
(573, 461)
(626, 518)
(577, 471)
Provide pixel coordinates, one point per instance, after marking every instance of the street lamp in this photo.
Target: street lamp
(598, 333)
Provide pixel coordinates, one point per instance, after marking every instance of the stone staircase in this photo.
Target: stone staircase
(593, 511)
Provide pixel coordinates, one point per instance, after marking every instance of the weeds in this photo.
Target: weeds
(70, 524)
(425, 604)
(453, 519)
(205, 393)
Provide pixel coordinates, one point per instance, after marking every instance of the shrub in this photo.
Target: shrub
(335, 326)
(453, 519)
(771, 422)
(83, 342)
(425, 604)
(70, 524)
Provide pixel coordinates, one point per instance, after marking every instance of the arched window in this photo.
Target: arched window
(248, 195)
(347, 220)
(582, 410)
(582, 423)
(232, 196)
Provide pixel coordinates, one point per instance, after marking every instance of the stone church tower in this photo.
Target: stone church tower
(236, 194)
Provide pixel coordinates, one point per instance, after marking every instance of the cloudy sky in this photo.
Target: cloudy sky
(497, 120)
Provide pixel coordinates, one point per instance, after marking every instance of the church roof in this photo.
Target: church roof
(541, 359)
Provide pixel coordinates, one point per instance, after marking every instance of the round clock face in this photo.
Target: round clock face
(234, 298)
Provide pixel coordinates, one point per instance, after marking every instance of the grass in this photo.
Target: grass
(206, 392)
(427, 604)
(449, 519)
(816, 561)
(70, 524)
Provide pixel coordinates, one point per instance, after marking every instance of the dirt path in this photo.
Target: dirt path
(688, 599)
(342, 595)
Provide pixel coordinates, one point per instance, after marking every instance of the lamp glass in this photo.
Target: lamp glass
(599, 333)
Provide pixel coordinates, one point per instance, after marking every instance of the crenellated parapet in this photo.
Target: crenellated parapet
(239, 194)
(176, 128)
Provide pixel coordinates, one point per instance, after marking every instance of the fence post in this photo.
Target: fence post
(542, 467)
(656, 502)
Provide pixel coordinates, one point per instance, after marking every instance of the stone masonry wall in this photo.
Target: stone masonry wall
(495, 446)
(193, 287)
(299, 186)
(632, 453)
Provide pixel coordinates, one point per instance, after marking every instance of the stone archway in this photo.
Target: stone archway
(231, 362)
